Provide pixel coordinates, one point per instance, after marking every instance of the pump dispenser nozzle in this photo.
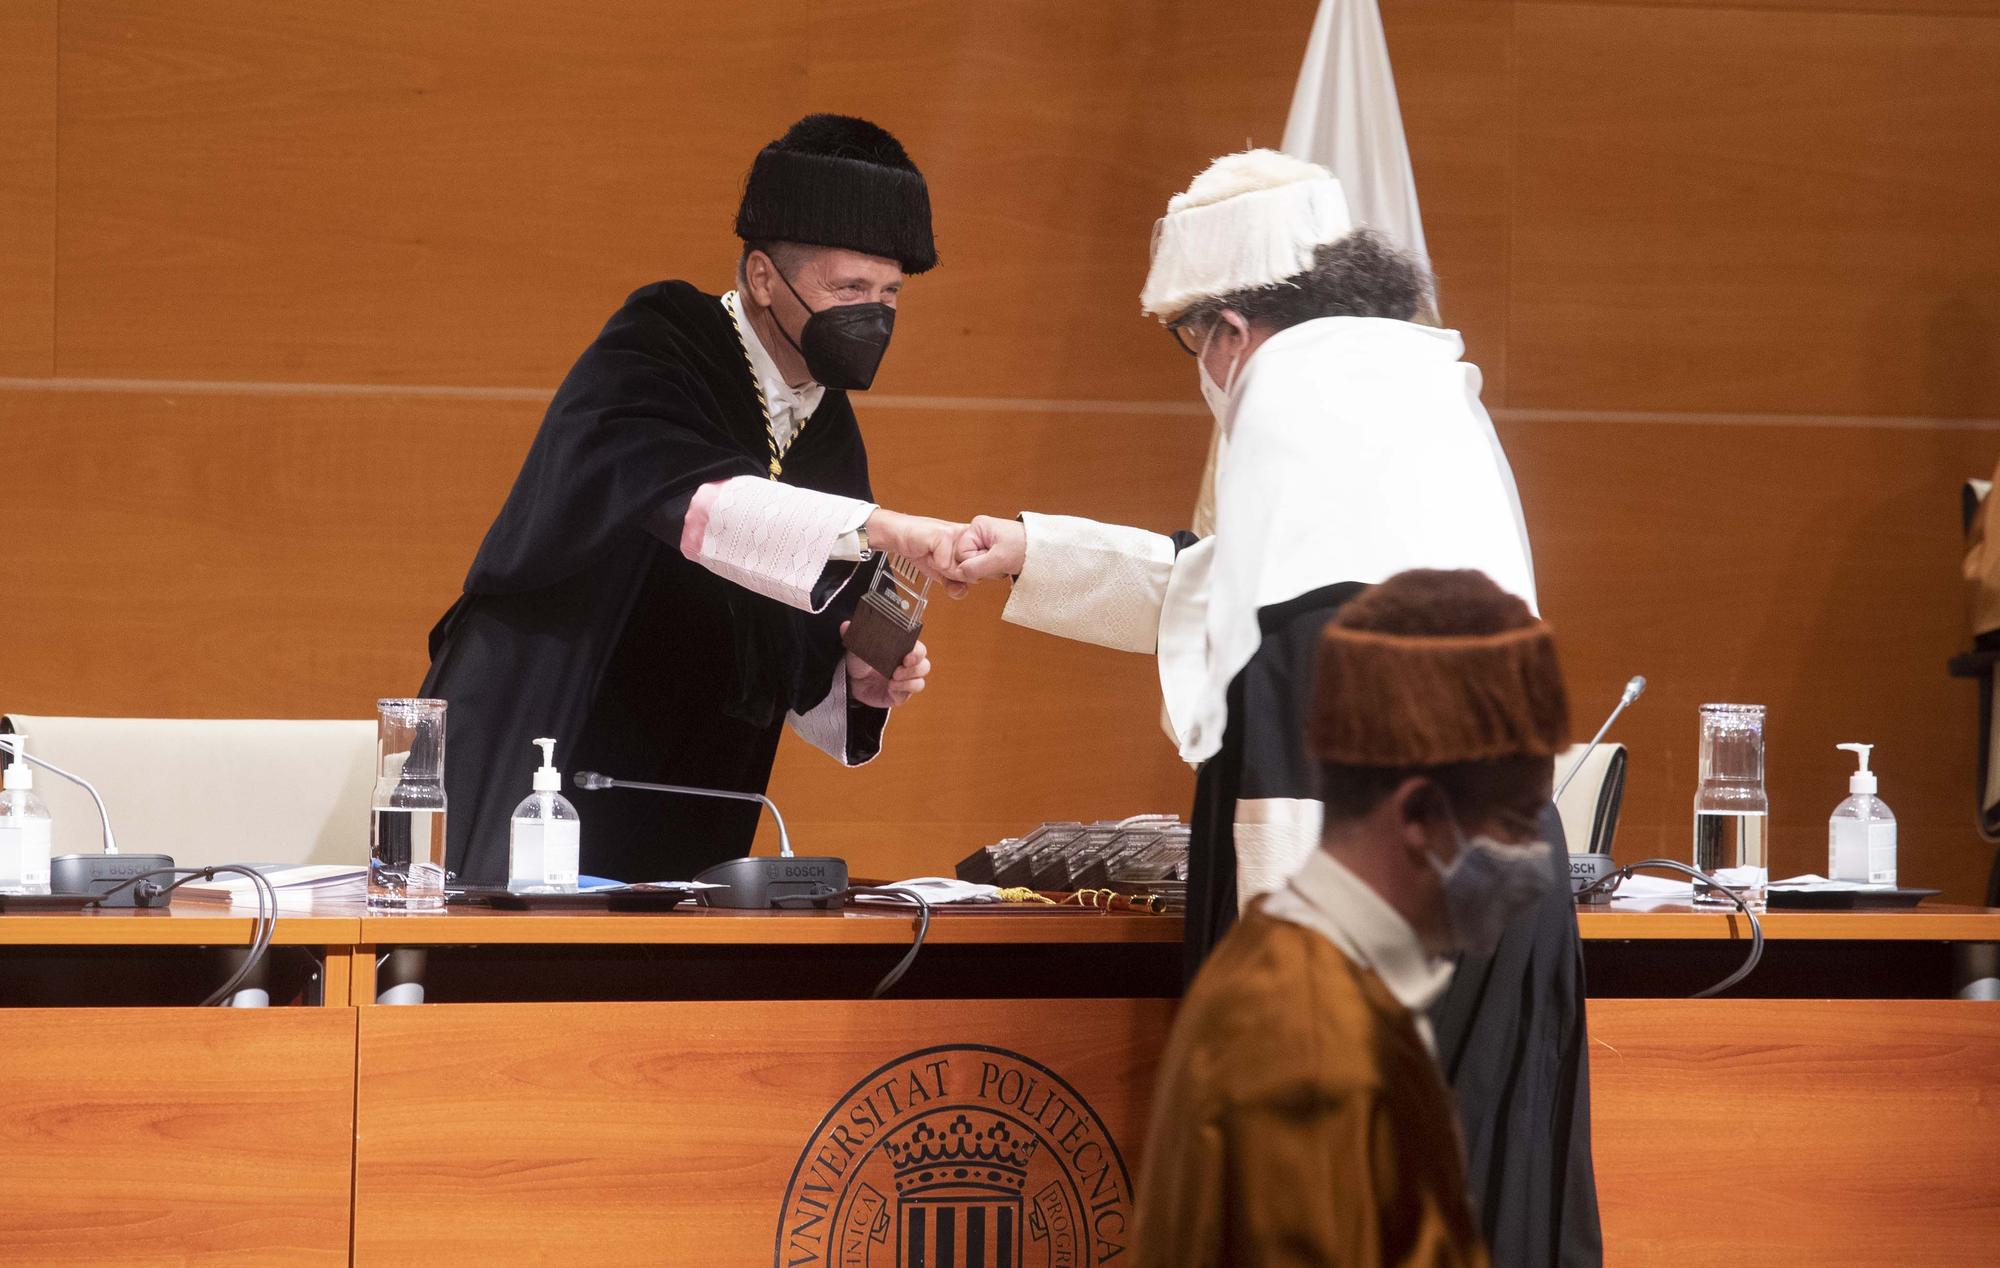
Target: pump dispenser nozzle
(548, 778)
(543, 838)
(1862, 782)
(19, 774)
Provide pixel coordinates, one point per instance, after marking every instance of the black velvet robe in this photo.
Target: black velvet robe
(1510, 1028)
(580, 620)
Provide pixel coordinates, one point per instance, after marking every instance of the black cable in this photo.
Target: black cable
(262, 931)
(261, 936)
(895, 975)
(826, 897)
(820, 898)
(1750, 961)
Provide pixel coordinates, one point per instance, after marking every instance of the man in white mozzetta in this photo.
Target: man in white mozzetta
(1353, 447)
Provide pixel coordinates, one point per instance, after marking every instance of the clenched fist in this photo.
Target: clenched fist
(988, 548)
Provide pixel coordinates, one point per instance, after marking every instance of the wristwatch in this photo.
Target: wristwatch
(861, 544)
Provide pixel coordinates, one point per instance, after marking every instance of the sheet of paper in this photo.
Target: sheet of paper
(938, 890)
(1810, 884)
(1670, 889)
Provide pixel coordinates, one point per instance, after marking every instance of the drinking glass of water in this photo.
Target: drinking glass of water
(1731, 810)
(406, 845)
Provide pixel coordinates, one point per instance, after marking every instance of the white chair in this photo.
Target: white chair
(238, 790)
(1589, 806)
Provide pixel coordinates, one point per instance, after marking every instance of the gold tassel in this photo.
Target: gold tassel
(1022, 894)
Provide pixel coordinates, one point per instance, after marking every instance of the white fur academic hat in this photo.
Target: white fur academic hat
(1252, 219)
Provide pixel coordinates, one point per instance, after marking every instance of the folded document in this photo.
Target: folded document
(296, 884)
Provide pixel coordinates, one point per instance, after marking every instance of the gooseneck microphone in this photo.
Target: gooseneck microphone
(103, 816)
(750, 882)
(1588, 870)
(110, 875)
(593, 781)
(1633, 690)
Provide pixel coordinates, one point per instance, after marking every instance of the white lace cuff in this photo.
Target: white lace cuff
(777, 539)
(1274, 837)
(825, 726)
(1096, 583)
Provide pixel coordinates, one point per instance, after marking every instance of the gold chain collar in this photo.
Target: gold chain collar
(757, 382)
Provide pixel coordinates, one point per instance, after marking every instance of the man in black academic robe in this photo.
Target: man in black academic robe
(666, 585)
(1353, 447)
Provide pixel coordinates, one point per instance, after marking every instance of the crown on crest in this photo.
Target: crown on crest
(962, 1153)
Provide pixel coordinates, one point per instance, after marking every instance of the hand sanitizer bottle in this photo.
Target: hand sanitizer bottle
(543, 840)
(25, 827)
(1861, 836)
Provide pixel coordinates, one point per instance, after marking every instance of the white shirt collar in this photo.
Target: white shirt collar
(1326, 897)
(790, 406)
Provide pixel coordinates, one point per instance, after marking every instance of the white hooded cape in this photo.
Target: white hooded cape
(1355, 448)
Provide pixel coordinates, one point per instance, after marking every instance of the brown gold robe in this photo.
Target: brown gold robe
(1300, 1119)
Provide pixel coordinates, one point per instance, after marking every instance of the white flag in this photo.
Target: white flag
(1345, 118)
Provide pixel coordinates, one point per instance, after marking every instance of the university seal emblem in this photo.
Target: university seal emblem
(958, 1156)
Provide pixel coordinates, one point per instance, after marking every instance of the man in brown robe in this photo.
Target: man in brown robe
(1299, 1116)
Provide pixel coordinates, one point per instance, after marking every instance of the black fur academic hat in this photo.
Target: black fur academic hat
(836, 181)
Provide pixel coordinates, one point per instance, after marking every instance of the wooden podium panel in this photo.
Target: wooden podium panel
(1807, 1132)
(176, 1136)
(791, 1132)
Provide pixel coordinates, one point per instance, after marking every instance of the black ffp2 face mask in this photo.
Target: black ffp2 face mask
(842, 345)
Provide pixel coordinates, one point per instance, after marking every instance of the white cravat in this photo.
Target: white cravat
(1324, 896)
(790, 407)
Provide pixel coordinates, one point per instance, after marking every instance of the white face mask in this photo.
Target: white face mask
(1216, 396)
(1487, 884)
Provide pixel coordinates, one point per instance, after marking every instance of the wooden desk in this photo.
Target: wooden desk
(732, 1094)
(1682, 922)
(689, 1088)
(1855, 1129)
(724, 1132)
(138, 957)
(183, 924)
(480, 955)
(1671, 950)
(1797, 1132)
(712, 1088)
(167, 1134)
(176, 1135)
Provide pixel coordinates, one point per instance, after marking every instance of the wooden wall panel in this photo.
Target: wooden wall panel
(188, 1136)
(1455, 82)
(1795, 1132)
(383, 192)
(27, 188)
(445, 194)
(244, 556)
(669, 1133)
(1744, 211)
(285, 556)
(1813, 570)
(1945, 8)
(1052, 135)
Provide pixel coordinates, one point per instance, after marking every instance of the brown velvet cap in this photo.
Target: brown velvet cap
(1437, 692)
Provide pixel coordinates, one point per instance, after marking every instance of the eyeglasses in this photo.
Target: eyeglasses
(1189, 335)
